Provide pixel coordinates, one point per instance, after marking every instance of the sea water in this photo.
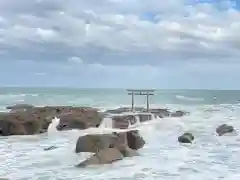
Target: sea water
(209, 157)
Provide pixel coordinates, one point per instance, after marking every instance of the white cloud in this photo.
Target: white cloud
(111, 37)
(75, 60)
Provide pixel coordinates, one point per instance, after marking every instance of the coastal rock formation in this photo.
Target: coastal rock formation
(178, 114)
(224, 129)
(79, 119)
(118, 145)
(186, 138)
(29, 120)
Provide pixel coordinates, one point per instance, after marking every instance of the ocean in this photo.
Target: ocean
(209, 157)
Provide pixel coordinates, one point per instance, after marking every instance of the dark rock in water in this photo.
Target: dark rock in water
(123, 109)
(118, 145)
(160, 112)
(79, 120)
(135, 141)
(50, 148)
(104, 156)
(178, 114)
(224, 128)
(93, 142)
(20, 107)
(186, 138)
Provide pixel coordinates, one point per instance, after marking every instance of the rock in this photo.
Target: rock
(93, 142)
(135, 141)
(223, 129)
(178, 114)
(186, 138)
(35, 120)
(80, 120)
(20, 107)
(160, 112)
(19, 123)
(104, 156)
(121, 141)
(50, 148)
(128, 152)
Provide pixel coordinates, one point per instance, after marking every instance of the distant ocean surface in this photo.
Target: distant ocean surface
(210, 157)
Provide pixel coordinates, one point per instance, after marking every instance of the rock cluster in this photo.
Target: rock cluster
(109, 148)
(29, 120)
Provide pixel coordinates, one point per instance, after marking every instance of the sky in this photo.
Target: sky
(171, 44)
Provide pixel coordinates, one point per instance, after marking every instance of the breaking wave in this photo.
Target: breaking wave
(189, 98)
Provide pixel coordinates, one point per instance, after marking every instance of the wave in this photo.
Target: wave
(189, 98)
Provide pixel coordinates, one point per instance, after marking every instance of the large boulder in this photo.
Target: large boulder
(135, 141)
(186, 138)
(93, 142)
(103, 156)
(19, 123)
(224, 129)
(83, 119)
(109, 148)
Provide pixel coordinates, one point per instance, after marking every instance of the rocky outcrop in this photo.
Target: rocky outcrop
(224, 129)
(178, 114)
(29, 120)
(119, 145)
(79, 119)
(186, 138)
(20, 107)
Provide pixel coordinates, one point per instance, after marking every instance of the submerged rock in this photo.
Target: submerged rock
(224, 129)
(186, 138)
(20, 107)
(178, 114)
(50, 148)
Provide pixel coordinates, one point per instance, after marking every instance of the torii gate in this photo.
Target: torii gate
(141, 92)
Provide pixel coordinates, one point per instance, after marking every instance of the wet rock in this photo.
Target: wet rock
(224, 129)
(35, 120)
(19, 107)
(178, 114)
(123, 109)
(186, 138)
(93, 142)
(19, 123)
(104, 156)
(50, 148)
(160, 112)
(80, 120)
(135, 141)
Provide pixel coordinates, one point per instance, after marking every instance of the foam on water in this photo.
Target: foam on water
(209, 157)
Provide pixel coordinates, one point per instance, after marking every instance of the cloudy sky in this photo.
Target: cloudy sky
(120, 43)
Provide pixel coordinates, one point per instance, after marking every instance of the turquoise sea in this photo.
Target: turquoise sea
(209, 157)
